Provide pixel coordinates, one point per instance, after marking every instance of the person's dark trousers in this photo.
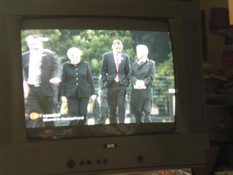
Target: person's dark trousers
(104, 114)
(40, 104)
(147, 106)
(116, 102)
(138, 117)
(78, 107)
(146, 118)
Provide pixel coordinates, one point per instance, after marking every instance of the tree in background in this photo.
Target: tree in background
(164, 81)
(95, 42)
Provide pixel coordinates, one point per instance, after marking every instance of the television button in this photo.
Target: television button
(81, 162)
(71, 164)
(88, 162)
(98, 161)
(105, 161)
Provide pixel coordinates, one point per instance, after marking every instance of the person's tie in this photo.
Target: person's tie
(117, 62)
(117, 67)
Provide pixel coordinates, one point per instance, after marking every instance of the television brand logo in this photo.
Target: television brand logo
(110, 145)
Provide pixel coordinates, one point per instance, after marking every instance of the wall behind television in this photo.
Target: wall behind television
(215, 42)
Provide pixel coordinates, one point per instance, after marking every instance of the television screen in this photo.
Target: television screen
(63, 100)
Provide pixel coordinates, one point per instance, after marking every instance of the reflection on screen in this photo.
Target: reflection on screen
(42, 70)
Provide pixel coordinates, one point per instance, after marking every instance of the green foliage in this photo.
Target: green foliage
(164, 81)
(53, 35)
(95, 42)
(158, 43)
(166, 68)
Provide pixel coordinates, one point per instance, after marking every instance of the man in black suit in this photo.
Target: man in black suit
(141, 77)
(41, 75)
(115, 74)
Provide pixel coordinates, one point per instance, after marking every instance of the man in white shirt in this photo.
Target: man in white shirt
(142, 74)
(115, 75)
(41, 75)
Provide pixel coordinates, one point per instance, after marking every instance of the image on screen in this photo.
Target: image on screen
(46, 72)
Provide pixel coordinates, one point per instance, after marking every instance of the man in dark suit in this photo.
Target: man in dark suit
(141, 77)
(41, 75)
(115, 74)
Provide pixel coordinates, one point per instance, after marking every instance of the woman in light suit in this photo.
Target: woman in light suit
(77, 84)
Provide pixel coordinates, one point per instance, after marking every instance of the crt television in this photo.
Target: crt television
(177, 135)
